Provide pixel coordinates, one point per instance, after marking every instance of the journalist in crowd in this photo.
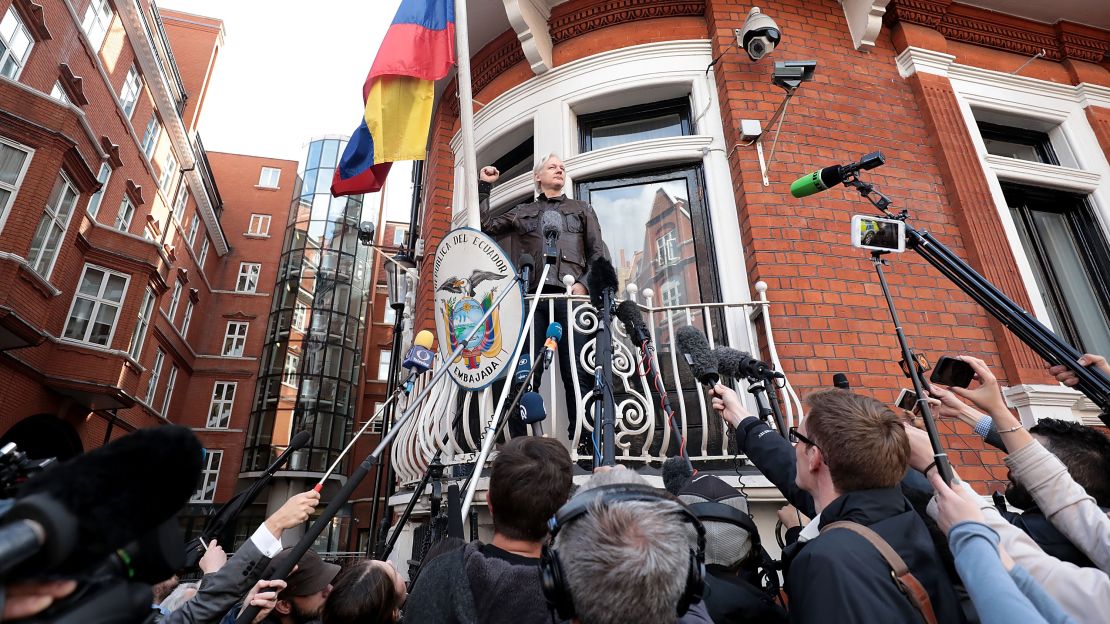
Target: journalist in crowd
(624, 552)
(1082, 592)
(499, 582)
(850, 455)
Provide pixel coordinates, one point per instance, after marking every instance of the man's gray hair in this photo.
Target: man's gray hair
(177, 598)
(626, 561)
(539, 167)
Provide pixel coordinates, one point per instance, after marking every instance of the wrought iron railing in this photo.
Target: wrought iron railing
(643, 434)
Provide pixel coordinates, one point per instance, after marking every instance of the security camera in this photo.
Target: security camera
(366, 232)
(759, 35)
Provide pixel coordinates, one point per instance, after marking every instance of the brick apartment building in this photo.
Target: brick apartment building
(134, 266)
(1002, 156)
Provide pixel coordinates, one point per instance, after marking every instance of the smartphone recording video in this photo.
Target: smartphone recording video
(878, 234)
(952, 372)
(907, 400)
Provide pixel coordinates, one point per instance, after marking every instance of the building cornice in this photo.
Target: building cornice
(145, 55)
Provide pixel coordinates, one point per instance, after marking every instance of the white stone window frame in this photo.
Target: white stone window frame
(237, 339)
(59, 93)
(155, 374)
(203, 255)
(385, 360)
(175, 300)
(105, 174)
(130, 91)
(142, 324)
(125, 215)
(210, 476)
(642, 74)
(259, 224)
(290, 370)
(187, 318)
(99, 14)
(221, 404)
(1059, 110)
(53, 213)
(151, 134)
(13, 189)
(269, 178)
(250, 273)
(167, 397)
(98, 301)
(180, 201)
(194, 227)
(20, 26)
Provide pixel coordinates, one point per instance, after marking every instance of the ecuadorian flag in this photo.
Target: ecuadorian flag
(418, 49)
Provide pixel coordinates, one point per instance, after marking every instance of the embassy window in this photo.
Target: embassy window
(194, 227)
(269, 177)
(98, 17)
(248, 277)
(94, 202)
(15, 44)
(300, 316)
(399, 236)
(203, 253)
(138, 337)
(665, 251)
(14, 160)
(52, 227)
(96, 306)
(124, 216)
(209, 477)
(289, 372)
(223, 400)
(670, 118)
(180, 201)
(235, 339)
(129, 93)
(259, 225)
(384, 359)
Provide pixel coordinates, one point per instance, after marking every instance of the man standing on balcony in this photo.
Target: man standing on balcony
(579, 245)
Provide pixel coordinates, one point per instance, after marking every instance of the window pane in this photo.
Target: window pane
(102, 326)
(11, 163)
(636, 130)
(1073, 280)
(79, 319)
(91, 281)
(115, 288)
(1010, 149)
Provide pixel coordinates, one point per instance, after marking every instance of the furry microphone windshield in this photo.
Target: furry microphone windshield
(629, 314)
(122, 490)
(693, 345)
(602, 277)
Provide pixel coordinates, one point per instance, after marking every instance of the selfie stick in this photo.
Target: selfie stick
(944, 468)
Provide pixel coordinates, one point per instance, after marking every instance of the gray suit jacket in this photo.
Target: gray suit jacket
(222, 589)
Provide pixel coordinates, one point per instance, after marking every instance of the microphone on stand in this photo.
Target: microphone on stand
(527, 264)
(532, 412)
(420, 355)
(554, 335)
(551, 223)
(629, 314)
(734, 364)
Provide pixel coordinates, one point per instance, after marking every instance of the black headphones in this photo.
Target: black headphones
(552, 578)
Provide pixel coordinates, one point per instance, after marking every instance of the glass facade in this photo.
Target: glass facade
(317, 319)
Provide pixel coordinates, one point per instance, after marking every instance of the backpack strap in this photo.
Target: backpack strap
(907, 583)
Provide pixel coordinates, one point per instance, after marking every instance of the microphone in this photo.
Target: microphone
(840, 380)
(523, 367)
(117, 493)
(532, 411)
(677, 472)
(828, 177)
(527, 264)
(551, 223)
(420, 355)
(695, 348)
(735, 364)
(629, 314)
(554, 335)
(601, 278)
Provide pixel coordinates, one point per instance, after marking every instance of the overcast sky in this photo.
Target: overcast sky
(290, 71)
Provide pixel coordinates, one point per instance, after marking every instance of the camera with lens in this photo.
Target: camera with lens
(759, 35)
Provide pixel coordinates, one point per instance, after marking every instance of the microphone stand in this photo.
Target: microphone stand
(944, 469)
(651, 371)
(605, 411)
(324, 520)
(1092, 382)
(495, 417)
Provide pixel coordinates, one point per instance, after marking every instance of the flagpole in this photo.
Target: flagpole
(466, 118)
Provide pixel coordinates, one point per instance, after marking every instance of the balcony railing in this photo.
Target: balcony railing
(642, 434)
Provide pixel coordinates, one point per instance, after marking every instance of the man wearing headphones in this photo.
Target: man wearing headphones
(625, 552)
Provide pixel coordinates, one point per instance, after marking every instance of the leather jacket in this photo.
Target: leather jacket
(519, 231)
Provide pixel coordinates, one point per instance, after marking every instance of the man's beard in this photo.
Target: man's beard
(1019, 497)
(304, 617)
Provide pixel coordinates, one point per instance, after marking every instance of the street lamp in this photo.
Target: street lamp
(397, 276)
